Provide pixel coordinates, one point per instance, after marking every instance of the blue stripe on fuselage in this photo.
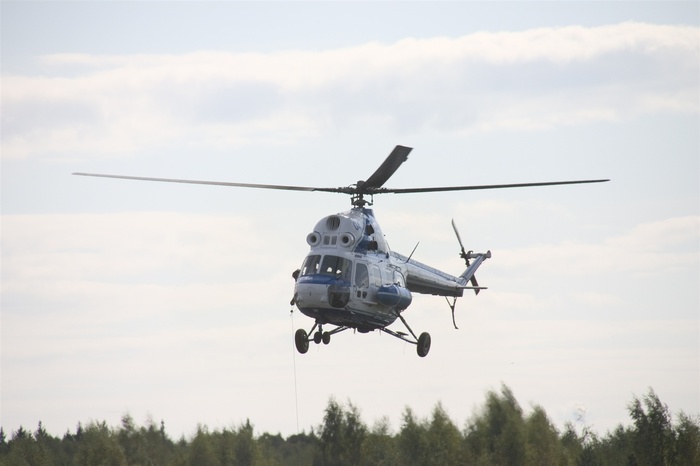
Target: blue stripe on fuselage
(318, 279)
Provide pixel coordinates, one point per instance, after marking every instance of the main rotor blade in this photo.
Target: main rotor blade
(398, 156)
(484, 186)
(217, 183)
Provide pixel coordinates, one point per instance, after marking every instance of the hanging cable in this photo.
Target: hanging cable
(296, 396)
(294, 360)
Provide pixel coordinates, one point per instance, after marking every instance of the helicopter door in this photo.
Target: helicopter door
(361, 280)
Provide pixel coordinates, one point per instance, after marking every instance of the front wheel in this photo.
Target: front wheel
(423, 345)
(301, 341)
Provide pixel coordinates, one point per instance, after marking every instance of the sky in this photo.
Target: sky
(171, 302)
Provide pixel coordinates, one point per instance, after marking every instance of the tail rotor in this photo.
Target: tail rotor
(466, 256)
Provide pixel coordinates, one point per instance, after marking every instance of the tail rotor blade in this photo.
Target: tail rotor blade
(465, 256)
(475, 285)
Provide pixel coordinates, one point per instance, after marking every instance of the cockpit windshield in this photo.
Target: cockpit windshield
(338, 267)
(311, 264)
(334, 266)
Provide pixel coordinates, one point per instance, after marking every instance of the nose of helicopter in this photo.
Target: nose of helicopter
(311, 292)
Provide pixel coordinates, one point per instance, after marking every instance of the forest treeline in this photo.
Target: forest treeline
(499, 433)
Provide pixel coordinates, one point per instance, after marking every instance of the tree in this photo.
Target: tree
(443, 438)
(379, 447)
(201, 450)
(300, 449)
(246, 448)
(543, 445)
(341, 435)
(131, 442)
(354, 433)
(49, 447)
(331, 442)
(496, 435)
(99, 446)
(687, 434)
(653, 435)
(413, 440)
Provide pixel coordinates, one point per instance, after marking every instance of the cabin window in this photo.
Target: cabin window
(310, 266)
(337, 267)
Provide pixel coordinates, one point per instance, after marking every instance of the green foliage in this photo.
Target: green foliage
(379, 447)
(444, 439)
(341, 436)
(413, 441)
(99, 446)
(499, 433)
(655, 440)
(542, 444)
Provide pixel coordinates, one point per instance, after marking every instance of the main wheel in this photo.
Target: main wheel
(423, 345)
(301, 341)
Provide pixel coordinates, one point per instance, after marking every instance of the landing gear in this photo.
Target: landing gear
(422, 342)
(318, 336)
(324, 337)
(302, 340)
(423, 345)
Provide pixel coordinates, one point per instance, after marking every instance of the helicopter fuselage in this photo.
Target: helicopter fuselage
(351, 278)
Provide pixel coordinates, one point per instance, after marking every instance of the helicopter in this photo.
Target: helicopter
(350, 278)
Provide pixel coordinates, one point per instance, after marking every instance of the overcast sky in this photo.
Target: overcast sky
(172, 301)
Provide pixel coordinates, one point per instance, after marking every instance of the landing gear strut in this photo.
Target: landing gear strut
(422, 342)
(302, 339)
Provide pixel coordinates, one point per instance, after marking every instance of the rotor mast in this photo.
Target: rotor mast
(357, 198)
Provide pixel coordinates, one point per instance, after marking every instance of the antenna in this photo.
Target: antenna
(414, 250)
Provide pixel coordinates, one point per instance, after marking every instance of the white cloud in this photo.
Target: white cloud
(651, 249)
(531, 79)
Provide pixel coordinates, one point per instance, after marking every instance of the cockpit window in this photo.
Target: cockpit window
(310, 266)
(337, 267)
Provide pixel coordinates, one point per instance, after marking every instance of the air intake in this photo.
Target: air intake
(333, 223)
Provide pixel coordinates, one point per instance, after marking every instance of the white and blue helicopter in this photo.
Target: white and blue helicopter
(350, 279)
